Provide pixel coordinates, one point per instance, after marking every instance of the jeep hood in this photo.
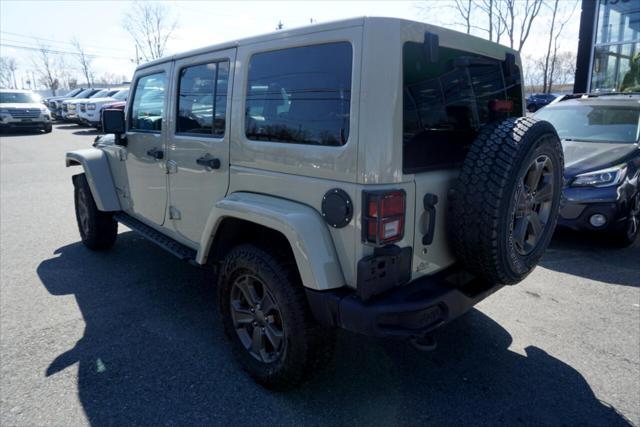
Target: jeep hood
(580, 157)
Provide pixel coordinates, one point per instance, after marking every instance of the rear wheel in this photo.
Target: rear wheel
(267, 319)
(98, 230)
(505, 203)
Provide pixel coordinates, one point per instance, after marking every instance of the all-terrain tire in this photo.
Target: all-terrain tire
(306, 347)
(492, 198)
(626, 234)
(98, 230)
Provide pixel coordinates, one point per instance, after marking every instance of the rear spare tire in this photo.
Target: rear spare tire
(506, 200)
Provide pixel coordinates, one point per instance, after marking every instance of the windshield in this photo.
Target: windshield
(84, 94)
(100, 94)
(122, 95)
(73, 92)
(594, 123)
(18, 98)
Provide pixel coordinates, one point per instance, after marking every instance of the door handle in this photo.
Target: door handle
(156, 153)
(208, 161)
(430, 201)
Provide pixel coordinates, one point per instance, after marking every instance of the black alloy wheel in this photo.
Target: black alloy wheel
(256, 318)
(534, 203)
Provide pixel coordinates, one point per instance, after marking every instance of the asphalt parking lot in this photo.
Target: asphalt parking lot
(133, 336)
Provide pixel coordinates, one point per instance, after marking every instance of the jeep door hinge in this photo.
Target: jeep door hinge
(172, 166)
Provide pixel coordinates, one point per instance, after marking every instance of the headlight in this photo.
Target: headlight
(91, 106)
(602, 178)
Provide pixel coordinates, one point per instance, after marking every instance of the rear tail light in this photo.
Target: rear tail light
(501, 106)
(383, 216)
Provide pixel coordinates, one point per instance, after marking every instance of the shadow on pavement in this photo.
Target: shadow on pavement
(20, 133)
(590, 256)
(91, 132)
(153, 352)
(66, 125)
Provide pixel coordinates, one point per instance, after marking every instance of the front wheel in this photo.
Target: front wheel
(627, 234)
(267, 319)
(48, 129)
(98, 230)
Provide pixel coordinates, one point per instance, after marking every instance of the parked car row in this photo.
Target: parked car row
(85, 106)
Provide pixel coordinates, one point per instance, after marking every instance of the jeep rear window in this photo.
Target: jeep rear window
(300, 95)
(446, 102)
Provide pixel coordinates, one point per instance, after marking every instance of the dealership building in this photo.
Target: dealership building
(609, 47)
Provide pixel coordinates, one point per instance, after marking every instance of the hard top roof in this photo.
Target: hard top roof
(316, 28)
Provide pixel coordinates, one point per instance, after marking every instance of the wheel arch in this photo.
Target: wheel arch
(248, 217)
(96, 168)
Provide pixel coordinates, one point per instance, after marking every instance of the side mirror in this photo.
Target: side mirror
(113, 122)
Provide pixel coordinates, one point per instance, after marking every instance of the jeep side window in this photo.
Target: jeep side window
(148, 104)
(202, 99)
(300, 95)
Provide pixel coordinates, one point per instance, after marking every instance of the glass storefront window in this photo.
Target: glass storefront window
(618, 21)
(616, 68)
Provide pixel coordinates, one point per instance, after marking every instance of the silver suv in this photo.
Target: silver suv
(370, 174)
(23, 109)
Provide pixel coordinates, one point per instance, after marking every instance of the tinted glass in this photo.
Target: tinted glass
(446, 102)
(300, 95)
(148, 103)
(100, 94)
(202, 99)
(594, 123)
(85, 93)
(121, 95)
(73, 92)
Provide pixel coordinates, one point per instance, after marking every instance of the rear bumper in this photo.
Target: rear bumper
(411, 310)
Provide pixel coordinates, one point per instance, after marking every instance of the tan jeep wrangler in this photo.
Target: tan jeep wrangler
(371, 174)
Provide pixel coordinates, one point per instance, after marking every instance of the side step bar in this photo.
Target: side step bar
(183, 252)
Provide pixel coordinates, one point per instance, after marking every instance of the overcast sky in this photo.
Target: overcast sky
(98, 25)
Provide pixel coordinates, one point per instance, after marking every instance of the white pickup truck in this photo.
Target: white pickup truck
(89, 110)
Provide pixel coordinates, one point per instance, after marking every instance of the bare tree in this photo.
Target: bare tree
(550, 59)
(151, 27)
(110, 79)
(8, 69)
(464, 8)
(497, 18)
(84, 60)
(565, 69)
(517, 18)
(46, 68)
